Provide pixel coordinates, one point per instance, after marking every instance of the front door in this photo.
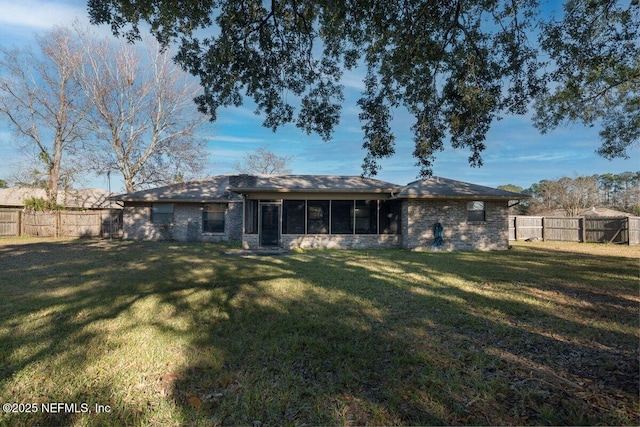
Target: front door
(270, 225)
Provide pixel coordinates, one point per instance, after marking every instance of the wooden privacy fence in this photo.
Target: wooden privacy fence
(101, 223)
(9, 222)
(581, 229)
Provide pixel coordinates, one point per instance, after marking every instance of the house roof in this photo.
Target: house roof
(208, 190)
(310, 183)
(92, 198)
(444, 188)
(225, 188)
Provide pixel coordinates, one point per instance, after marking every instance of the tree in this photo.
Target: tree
(569, 194)
(142, 116)
(3, 183)
(42, 102)
(607, 187)
(621, 191)
(455, 66)
(518, 207)
(578, 193)
(546, 194)
(263, 162)
(596, 51)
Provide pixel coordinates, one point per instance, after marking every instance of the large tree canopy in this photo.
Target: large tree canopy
(596, 79)
(456, 66)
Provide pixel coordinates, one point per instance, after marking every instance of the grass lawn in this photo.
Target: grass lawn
(182, 334)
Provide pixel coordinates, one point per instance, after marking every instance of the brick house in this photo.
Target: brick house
(322, 211)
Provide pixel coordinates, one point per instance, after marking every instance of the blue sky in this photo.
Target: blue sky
(516, 152)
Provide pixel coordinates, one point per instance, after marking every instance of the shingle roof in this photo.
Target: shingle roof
(213, 189)
(310, 183)
(75, 199)
(229, 187)
(444, 188)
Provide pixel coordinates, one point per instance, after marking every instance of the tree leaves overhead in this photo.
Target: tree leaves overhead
(456, 66)
(596, 49)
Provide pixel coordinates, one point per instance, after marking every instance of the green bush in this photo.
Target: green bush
(40, 204)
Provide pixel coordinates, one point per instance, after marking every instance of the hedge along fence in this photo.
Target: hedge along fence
(100, 223)
(581, 229)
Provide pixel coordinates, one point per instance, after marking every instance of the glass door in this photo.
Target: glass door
(270, 225)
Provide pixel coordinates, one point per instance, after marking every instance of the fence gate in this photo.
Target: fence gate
(607, 230)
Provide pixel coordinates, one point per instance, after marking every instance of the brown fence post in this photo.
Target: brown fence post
(57, 224)
(100, 230)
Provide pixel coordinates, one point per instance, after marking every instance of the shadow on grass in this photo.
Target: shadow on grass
(346, 337)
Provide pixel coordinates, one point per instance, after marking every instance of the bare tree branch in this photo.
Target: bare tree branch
(42, 102)
(263, 162)
(143, 118)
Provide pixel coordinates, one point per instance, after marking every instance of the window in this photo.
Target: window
(162, 213)
(318, 217)
(390, 212)
(213, 218)
(475, 211)
(251, 217)
(342, 217)
(293, 217)
(366, 216)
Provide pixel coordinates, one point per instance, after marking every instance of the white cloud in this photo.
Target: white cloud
(236, 139)
(560, 155)
(353, 80)
(38, 15)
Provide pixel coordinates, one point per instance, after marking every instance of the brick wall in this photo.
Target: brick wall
(329, 241)
(419, 216)
(136, 224)
(340, 241)
(186, 226)
(233, 223)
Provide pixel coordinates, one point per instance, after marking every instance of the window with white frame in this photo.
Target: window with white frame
(476, 211)
(213, 218)
(162, 213)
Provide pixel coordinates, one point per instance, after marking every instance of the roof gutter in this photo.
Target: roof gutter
(311, 190)
(455, 197)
